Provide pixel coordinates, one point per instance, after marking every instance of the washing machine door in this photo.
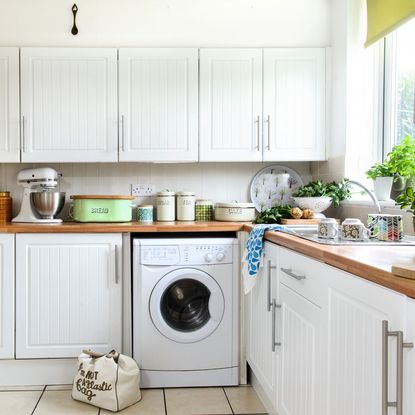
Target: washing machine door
(187, 305)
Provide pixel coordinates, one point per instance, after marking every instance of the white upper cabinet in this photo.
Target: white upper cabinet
(230, 105)
(6, 296)
(69, 104)
(158, 104)
(68, 294)
(9, 105)
(294, 104)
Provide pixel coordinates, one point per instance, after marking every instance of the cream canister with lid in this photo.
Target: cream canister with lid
(185, 206)
(165, 202)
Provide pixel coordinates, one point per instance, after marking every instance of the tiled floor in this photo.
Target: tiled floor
(56, 400)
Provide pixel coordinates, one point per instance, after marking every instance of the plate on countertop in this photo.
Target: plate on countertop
(274, 186)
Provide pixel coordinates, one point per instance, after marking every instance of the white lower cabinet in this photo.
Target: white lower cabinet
(260, 350)
(6, 296)
(339, 341)
(68, 294)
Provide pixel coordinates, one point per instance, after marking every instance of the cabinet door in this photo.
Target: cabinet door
(302, 337)
(409, 360)
(158, 104)
(6, 296)
(230, 105)
(355, 313)
(260, 354)
(68, 294)
(9, 105)
(294, 104)
(69, 104)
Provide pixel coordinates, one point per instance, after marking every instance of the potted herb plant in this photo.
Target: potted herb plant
(402, 160)
(406, 200)
(382, 175)
(318, 196)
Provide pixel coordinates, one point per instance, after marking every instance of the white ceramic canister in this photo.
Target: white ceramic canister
(166, 206)
(185, 206)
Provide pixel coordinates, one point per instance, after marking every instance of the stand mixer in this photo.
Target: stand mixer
(41, 202)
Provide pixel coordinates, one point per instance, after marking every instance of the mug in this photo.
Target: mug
(328, 228)
(354, 230)
(385, 227)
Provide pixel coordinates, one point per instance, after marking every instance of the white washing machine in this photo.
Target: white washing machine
(185, 311)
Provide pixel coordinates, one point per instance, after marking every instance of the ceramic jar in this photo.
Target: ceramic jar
(185, 206)
(145, 213)
(385, 227)
(354, 230)
(204, 210)
(166, 211)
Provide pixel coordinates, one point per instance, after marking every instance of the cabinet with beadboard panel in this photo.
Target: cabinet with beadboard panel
(9, 105)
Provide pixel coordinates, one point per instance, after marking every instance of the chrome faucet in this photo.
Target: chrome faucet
(371, 194)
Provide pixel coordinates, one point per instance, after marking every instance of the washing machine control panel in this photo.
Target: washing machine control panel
(186, 255)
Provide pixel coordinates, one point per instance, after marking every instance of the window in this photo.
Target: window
(399, 86)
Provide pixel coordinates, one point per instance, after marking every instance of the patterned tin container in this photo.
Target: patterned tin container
(145, 213)
(5, 207)
(204, 210)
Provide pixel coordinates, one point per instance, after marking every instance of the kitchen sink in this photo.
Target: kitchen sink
(309, 232)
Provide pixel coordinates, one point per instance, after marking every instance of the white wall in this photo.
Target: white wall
(221, 182)
(166, 23)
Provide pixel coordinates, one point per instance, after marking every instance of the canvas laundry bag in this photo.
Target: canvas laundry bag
(109, 381)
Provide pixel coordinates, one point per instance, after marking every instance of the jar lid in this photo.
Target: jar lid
(203, 202)
(185, 193)
(4, 194)
(235, 205)
(145, 206)
(165, 193)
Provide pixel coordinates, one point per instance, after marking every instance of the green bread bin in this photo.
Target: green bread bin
(95, 208)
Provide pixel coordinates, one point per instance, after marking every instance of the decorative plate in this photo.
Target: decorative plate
(273, 186)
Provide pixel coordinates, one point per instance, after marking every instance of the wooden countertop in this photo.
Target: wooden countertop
(77, 227)
(373, 263)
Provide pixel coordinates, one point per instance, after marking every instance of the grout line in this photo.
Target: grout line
(37, 403)
(229, 403)
(164, 399)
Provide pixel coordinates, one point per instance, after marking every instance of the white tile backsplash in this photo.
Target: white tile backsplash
(217, 181)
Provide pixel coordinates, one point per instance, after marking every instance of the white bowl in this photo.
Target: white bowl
(316, 204)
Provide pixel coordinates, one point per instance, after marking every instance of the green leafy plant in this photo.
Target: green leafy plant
(274, 214)
(337, 191)
(380, 170)
(406, 200)
(401, 160)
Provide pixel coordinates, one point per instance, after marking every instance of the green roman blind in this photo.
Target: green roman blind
(384, 16)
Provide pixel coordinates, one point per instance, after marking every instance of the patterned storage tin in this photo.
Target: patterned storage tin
(145, 213)
(5, 207)
(385, 227)
(204, 210)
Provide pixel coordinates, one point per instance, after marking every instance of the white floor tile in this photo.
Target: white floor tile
(18, 402)
(196, 401)
(61, 403)
(244, 400)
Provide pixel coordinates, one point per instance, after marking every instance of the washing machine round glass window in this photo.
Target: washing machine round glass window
(185, 305)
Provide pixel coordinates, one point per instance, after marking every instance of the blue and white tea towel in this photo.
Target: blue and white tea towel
(252, 257)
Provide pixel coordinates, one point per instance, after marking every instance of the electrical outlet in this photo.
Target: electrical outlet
(142, 190)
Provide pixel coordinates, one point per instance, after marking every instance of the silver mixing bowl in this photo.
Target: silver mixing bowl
(48, 204)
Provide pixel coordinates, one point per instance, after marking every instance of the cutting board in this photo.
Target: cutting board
(406, 270)
(302, 221)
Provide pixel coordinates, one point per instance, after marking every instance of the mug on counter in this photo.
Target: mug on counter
(328, 228)
(354, 230)
(385, 227)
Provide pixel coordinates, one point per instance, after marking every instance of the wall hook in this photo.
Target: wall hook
(74, 30)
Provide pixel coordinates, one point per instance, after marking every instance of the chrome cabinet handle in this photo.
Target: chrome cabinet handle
(290, 273)
(269, 268)
(400, 345)
(274, 307)
(117, 264)
(122, 133)
(257, 133)
(268, 133)
(22, 140)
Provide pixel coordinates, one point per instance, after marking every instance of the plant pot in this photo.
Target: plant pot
(399, 183)
(383, 187)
